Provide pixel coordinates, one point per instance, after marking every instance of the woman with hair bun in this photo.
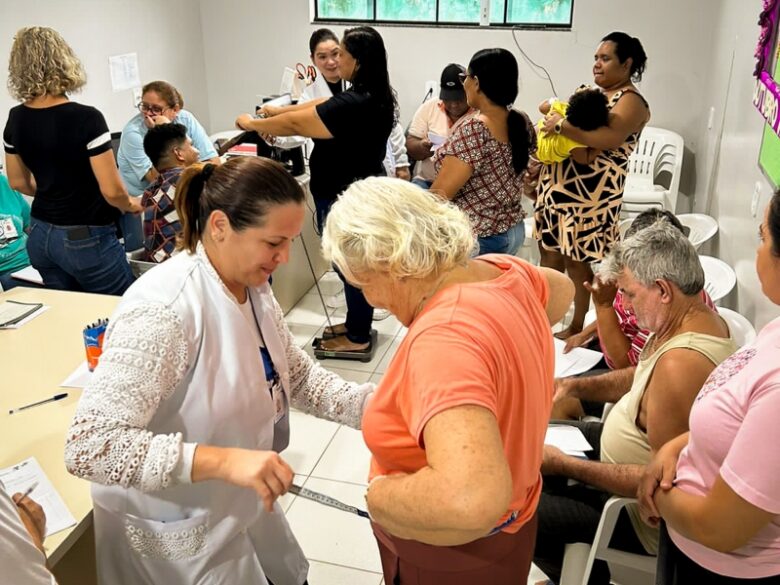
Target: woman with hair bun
(184, 418)
(578, 205)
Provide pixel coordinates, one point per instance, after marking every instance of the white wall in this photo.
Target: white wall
(258, 37)
(166, 35)
(728, 176)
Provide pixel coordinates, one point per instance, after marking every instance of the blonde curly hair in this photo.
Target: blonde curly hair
(41, 64)
(391, 226)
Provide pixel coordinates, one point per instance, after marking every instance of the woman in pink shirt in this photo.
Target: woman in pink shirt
(717, 487)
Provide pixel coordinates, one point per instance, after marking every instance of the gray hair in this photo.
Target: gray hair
(382, 224)
(657, 252)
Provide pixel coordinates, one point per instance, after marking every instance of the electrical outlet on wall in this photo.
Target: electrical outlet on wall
(755, 198)
(430, 87)
(136, 96)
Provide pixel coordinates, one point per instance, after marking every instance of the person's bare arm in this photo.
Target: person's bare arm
(463, 491)
(609, 387)
(720, 520)
(298, 122)
(418, 148)
(19, 176)
(561, 294)
(626, 117)
(111, 185)
(619, 479)
(676, 380)
(271, 111)
(453, 174)
(584, 155)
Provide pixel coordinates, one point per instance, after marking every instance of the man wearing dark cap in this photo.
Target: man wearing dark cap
(433, 122)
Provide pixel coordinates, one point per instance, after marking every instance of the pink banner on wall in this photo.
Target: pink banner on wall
(766, 98)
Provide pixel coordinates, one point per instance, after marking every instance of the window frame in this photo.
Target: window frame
(317, 19)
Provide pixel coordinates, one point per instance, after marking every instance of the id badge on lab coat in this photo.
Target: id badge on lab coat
(277, 393)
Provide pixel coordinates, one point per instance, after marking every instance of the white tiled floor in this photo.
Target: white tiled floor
(332, 459)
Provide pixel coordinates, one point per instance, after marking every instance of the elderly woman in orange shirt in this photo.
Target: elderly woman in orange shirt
(457, 423)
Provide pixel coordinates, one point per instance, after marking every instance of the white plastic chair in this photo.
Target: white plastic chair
(658, 151)
(703, 227)
(625, 568)
(719, 277)
(742, 330)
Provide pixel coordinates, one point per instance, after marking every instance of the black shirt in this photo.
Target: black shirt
(55, 144)
(360, 127)
(336, 87)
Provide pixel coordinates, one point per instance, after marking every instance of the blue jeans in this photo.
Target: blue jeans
(132, 225)
(94, 263)
(359, 312)
(422, 183)
(504, 243)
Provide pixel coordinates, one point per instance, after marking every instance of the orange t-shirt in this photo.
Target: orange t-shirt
(487, 344)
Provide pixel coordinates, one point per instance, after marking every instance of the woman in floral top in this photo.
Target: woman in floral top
(480, 167)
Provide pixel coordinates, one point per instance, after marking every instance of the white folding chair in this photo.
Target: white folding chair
(659, 151)
(625, 568)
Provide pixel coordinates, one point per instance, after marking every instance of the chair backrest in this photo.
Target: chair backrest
(719, 277)
(658, 151)
(742, 330)
(703, 227)
(116, 138)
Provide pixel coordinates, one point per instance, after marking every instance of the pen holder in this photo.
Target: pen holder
(93, 342)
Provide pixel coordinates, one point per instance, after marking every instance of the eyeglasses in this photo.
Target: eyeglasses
(462, 77)
(149, 109)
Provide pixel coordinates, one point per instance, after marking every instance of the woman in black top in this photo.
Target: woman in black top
(350, 132)
(60, 152)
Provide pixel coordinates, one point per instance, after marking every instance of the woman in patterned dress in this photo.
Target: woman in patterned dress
(578, 205)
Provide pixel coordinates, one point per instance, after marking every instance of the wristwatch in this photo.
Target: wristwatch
(558, 126)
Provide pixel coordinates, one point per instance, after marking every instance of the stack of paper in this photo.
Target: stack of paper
(577, 361)
(19, 478)
(14, 314)
(568, 439)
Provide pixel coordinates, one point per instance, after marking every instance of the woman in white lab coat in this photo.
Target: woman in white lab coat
(182, 423)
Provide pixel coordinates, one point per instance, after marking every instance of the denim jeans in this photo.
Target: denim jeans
(96, 263)
(132, 225)
(359, 312)
(422, 183)
(504, 243)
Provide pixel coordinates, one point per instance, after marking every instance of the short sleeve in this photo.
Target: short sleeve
(440, 380)
(97, 138)
(466, 143)
(419, 125)
(133, 160)
(338, 113)
(750, 468)
(197, 134)
(8, 138)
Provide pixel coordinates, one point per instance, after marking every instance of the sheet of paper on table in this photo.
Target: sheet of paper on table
(577, 361)
(78, 378)
(19, 477)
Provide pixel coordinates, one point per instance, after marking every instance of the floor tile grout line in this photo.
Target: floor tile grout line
(344, 566)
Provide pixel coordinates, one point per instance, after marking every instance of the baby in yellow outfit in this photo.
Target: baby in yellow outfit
(587, 110)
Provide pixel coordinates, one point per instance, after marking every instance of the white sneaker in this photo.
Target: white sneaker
(380, 314)
(336, 301)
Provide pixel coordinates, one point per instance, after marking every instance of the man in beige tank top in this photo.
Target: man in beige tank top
(661, 278)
